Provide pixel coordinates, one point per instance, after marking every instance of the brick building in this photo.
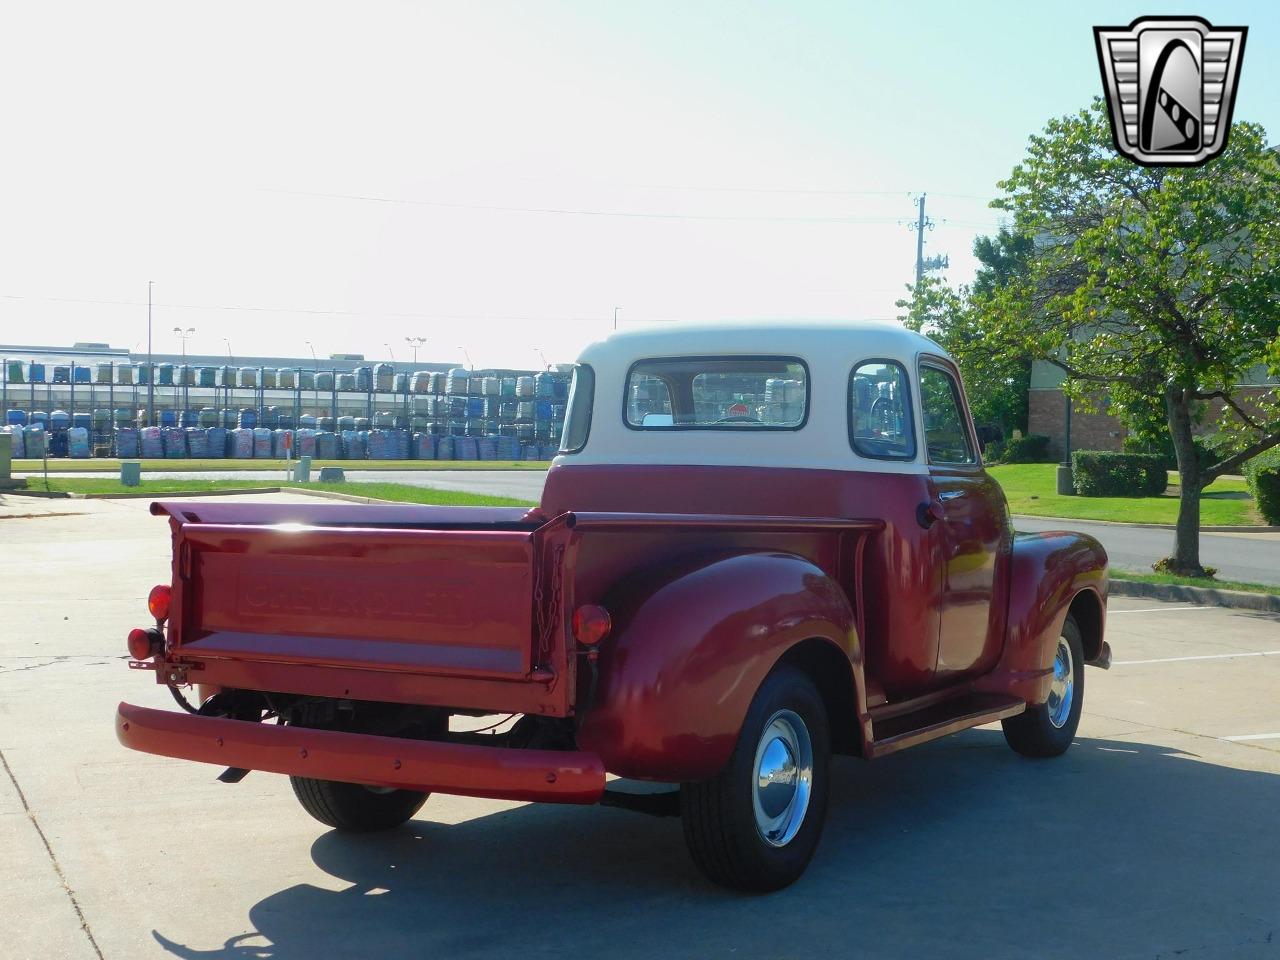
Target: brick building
(1046, 411)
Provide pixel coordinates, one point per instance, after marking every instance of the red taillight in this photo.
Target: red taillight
(144, 644)
(591, 624)
(158, 602)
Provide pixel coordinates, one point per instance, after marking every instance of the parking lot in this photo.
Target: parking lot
(1153, 837)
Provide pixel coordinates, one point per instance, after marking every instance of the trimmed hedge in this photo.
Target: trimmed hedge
(1262, 474)
(1101, 473)
(1033, 448)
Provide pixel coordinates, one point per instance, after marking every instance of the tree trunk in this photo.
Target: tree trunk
(1186, 540)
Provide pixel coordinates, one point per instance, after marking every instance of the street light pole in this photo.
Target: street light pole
(151, 373)
(615, 317)
(315, 369)
(470, 366)
(182, 335)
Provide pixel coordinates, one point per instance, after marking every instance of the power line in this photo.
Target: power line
(298, 310)
(568, 211)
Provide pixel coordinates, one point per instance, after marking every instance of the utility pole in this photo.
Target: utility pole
(151, 373)
(920, 222)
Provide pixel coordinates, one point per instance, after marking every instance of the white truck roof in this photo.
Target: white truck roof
(829, 348)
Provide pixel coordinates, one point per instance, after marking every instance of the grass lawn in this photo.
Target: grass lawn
(1032, 490)
(1195, 582)
(111, 465)
(383, 491)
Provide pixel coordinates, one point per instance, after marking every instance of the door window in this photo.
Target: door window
(946, 436)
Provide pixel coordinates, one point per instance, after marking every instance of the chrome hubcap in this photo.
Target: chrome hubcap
(783, 778)
(1063, 689)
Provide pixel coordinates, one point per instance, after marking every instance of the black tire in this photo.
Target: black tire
(1033, 733)
(356, 808)
(719, 815)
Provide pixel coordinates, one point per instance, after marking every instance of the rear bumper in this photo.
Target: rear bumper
(474, 771)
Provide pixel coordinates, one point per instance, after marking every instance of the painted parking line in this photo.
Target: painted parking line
(1209, 656)
(1254, 736)
(1172, 608)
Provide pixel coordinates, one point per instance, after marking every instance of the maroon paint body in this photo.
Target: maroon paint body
(711, 575)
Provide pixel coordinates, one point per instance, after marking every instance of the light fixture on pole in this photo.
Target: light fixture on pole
(183, 335)
(470, 365)
(543, 357)
(227, 341)
(415, 343)
(391, 353)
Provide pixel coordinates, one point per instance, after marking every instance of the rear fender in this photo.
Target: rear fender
(1051, 573)
(688, 653)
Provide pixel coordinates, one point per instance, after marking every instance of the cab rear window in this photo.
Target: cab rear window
(717, 393)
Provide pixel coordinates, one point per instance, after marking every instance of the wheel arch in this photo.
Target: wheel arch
(1089, 615)
(689, 653)
(833, 675)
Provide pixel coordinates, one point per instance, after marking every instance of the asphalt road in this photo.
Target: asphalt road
(522, 484)
(1251, 557)
(1152, 837)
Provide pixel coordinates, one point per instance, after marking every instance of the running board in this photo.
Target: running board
(939, 719)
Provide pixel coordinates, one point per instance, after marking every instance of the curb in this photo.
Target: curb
(175, 494)
(334, 495)
(1146, 526)
(1236, 599)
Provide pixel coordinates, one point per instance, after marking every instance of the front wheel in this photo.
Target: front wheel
(1047, 729)
(755, 826)
(354, 807)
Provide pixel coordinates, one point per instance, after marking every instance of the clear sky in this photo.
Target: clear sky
(527, 166)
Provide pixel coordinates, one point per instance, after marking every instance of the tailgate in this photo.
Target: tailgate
(423, 601)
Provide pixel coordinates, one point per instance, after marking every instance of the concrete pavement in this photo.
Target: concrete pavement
(1152, 837)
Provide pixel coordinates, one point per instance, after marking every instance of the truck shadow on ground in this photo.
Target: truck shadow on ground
(959, 848)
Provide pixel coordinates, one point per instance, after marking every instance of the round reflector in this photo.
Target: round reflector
(591, 624)
(140, 644)
(158, 601)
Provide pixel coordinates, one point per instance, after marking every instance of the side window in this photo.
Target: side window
(880, 411)
(944, 429)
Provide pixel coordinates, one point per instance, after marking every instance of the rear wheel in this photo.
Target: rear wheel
(1047, 729)
(355, 807)
(755, 826)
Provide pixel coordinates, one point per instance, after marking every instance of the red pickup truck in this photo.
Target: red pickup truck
(759, 546)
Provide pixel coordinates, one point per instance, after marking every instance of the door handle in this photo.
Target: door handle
(948, 495)
(928, 513)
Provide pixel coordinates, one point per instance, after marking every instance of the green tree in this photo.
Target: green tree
(996, 383)
(1159, 286)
